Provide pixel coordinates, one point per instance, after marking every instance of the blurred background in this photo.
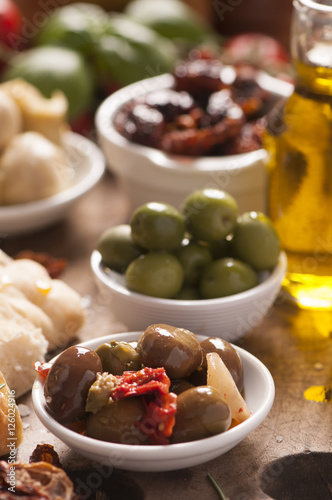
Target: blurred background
(229, 17)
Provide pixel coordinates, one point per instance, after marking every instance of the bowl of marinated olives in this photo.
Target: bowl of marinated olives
(206, 267)
(151, 400)
(200, 125)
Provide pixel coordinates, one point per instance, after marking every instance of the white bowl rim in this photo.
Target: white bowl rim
(104, 119)
(71, 140)
(275, 277)
(169, 451)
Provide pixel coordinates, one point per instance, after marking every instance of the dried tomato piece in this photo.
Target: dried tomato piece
(170, 102)
(42, 368)
(54, 265)
(141, 124)
(35, 481)
(160, 405)
(198, 76)
(142, 382)
(45, 453)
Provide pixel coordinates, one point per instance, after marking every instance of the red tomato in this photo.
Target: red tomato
(255, 48)
(10, 21)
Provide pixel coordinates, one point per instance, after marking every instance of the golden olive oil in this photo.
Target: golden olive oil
(299, 145)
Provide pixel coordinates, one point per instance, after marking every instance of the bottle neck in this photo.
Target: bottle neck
(311, 45)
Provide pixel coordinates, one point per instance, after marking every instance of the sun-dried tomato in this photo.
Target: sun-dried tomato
(54, 265)
(42, 368)
(160, 405)
(45, 453)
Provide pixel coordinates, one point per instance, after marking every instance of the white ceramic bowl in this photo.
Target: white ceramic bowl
(228, 317)
(147, 174)
(259, 394)
(88, 163)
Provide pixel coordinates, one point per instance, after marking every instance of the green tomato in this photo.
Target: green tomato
(155, 274)
(117, 248)
(256, 241)
(127, 52)
(210, 214)
(225, 277)
(170, 18)
(194, 258)
(157, 226)
(55, 68)
(74, 26)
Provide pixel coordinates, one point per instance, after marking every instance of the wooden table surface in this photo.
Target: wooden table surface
(295, 345)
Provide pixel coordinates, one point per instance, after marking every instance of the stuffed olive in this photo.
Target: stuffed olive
(117, 357)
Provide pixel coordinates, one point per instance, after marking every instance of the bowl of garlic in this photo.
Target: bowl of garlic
(44, 167)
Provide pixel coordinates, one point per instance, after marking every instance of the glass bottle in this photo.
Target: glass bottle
(299, 145)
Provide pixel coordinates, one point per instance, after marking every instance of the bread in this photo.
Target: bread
(11, 428)
(37, 315)
(60, 314)
(21, 344)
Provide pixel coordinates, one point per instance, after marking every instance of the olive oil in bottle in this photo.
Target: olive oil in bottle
(299, 146)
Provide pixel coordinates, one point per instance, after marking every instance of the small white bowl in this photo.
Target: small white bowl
(88, 163)
(228, 317)
(259, 394)
(147, 174)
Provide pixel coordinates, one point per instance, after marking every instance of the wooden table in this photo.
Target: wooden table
(295, 345)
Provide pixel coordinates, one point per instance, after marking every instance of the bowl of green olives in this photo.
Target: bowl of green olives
(206, 267)
(165, 136)
(120, 430)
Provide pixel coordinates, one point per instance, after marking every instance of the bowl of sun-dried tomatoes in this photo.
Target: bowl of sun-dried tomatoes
(199, 126)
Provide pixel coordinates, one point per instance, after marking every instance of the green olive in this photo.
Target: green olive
(210, 214)
(225, 277)
(256, 241)
(194, 258)
(116, 422)
(188, 293)
(201, 412)
(155, 274)
(117, 248)
(117, 357)
(175, 349)
(157, 226)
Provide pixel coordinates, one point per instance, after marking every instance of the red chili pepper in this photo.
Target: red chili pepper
(42, 368)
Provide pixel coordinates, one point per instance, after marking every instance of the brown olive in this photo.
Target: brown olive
(201, 412)
(229, 356)
(118, 357)
(175, 349)
(68, 382)
(116, 422)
